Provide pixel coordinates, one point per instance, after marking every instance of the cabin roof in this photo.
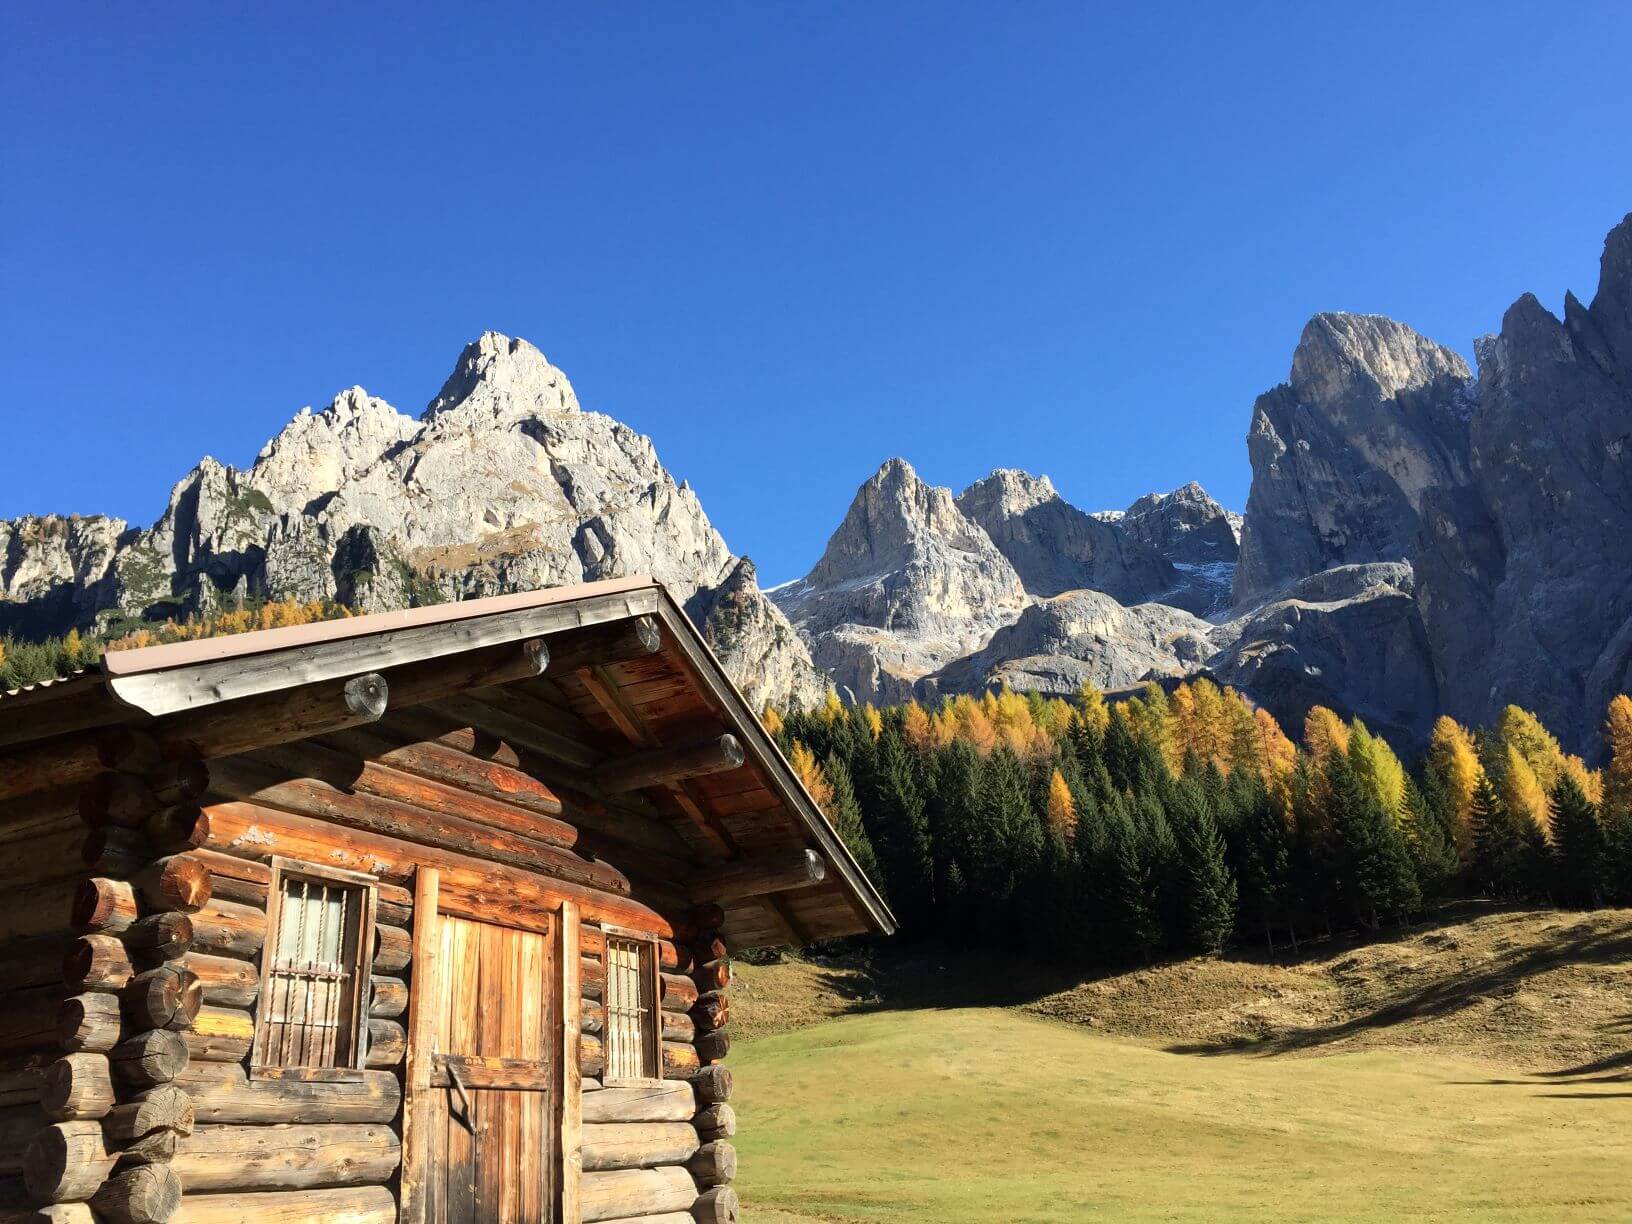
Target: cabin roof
(603, 711)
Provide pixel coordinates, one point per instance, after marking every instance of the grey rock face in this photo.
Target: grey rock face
(1510, 497)
(907, 583)
(54, 569)
(1194, 534)
(1349, 638)
(1055, 547)
(1527, 580)
(1079, 636)
(1374, 417)
(504, 484)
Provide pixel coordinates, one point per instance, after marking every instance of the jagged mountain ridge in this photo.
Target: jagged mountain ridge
(504, 483)
(920, 592)
(1418, 539)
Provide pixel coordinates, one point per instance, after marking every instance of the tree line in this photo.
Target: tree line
(24, 662)
(1177, 823)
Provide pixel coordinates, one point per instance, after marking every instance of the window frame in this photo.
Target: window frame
(357, 1023)
(654, 1036)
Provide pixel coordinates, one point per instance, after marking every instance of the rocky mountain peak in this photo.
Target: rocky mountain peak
(906, 584)
(1344, 356)
(1006, 491)
(504, 486)
(893, 518)
(316, 453)
(500, 378)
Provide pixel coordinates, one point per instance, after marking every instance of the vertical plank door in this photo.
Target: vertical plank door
(489, 1118)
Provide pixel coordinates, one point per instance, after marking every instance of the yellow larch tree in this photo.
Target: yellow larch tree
(1091, 707)
(1456, 760)
(810, 772)
(1522, 791)
(1324, 733)
(1062, 809)
(1379, 769)
(916, 727)
(1617, 787)
(875, 720)
(771, 719)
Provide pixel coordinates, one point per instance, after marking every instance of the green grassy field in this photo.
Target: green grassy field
(990, 1114)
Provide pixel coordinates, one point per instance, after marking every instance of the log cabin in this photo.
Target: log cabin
(421, 916)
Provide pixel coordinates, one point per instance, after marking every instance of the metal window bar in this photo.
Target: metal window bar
(629, 1009)
(310, 981)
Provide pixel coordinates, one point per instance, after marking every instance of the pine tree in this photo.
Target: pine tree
(1264, 865)
(1580, 841)
(1206, 892)
(845, 813)
(1498, 843)
(898, 827)
(1121, 886)
(1372, 862)
(1433, 853)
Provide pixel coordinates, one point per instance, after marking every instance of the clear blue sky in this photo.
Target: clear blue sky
(786, 240)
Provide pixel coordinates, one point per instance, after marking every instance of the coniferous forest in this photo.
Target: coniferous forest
(1178, 823)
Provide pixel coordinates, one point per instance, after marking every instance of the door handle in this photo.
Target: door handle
(464, 1098)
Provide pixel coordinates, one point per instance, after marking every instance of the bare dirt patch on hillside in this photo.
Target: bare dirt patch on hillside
(1535, 990)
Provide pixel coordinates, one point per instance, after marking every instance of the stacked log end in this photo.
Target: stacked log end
(714, 1165)
(87, 1054)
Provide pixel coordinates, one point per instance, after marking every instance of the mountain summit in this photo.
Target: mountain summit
(503, 484)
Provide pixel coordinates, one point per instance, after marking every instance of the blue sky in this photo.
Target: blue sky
(787, 241)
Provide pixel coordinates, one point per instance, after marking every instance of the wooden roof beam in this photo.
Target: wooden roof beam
(665, 766)
(758, 876)
(604, 645)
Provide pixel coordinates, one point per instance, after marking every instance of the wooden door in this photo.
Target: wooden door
(487, 1113)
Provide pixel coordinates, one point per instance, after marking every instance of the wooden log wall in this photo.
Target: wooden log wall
(663, 1150)
(123, 1054)
(91, 1045)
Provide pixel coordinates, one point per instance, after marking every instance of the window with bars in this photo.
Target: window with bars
(314, 976)
(631, 1027)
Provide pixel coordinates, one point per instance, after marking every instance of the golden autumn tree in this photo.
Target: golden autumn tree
(1617, 787)
(1277, 755)
(1062, 809)
(1091, 707)
(1522, 791)
(1324, 733)
(832, 708)
(915, 725)
(770, 719)
(1456, 760)
(810, 772)
(875, 720)
(1523, 731)
(1379, 769)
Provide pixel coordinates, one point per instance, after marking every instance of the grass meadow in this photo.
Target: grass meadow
(985, 1114)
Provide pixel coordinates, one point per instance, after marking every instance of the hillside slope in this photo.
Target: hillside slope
(1536, 990)
(1479, 1069)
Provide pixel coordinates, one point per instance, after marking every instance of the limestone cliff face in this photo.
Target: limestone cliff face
(503, 484)
(1373, 417)
(1055, 547)
(1199, 538)
(1349, 638)
(1061, 642)
(1508, 500)
(1527, 578)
